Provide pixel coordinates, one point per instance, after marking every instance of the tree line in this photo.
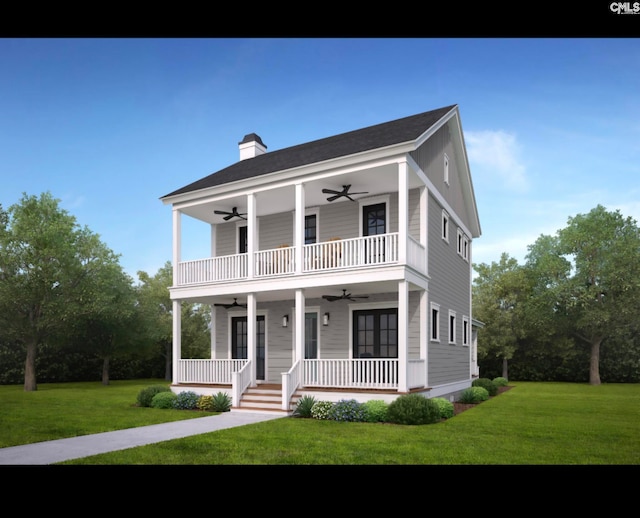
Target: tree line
(69, 312)
(571, 312)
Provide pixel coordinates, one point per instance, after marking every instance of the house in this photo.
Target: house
(338, 268)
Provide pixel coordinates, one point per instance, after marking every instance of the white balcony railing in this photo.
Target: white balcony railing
(208, 371)
(330, 255)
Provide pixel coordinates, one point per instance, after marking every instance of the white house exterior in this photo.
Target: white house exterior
(359, 296)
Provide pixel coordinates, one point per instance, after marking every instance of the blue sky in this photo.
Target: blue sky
(108, 126)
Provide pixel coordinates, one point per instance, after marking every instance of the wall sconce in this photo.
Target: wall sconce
(325, 319)
(285, 320)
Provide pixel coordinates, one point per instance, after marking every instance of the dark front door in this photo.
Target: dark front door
(374, 222)
(239, 343)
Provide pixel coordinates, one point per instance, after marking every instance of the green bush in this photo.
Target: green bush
(445, 406)
(500, 381)
(304, 406)
(474, 395)
(163, 400)
(205, 403)
(221, 402)
(413, 409)
(347, 410)
(146, 394)
(186, 401)
(321, 409)
(375, 411)
(486, 383)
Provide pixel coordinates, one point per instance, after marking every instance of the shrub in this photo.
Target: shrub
(304, 406)
(186, 401)
(146, 394)
(205, 403)
(500, 381)
(347, 410)
(163, 400)
(221, 402)
(375, 411)
(321, 409)
(473, 395)
(445, 406)
(413, 409)
(486, 383)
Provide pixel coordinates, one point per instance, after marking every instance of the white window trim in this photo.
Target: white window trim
(452, 330)
(465, 326)
(446, 230)
(374, 200)
(314, 211)
(446, 169)
(434, 324)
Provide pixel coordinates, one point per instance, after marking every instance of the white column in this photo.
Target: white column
(403, 210)
(403, 328)
(424, 225)
(213, 332)
(251, 234)
(251, 335)
(299, 324)
(213, 239)
(298, 240)
(424, 333)
(177, 237)
(176, 343)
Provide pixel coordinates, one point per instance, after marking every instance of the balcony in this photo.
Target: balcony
(332, 255)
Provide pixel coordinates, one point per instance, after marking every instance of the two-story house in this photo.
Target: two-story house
(338, 268)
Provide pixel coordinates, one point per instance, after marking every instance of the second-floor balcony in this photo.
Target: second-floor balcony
(336, 254)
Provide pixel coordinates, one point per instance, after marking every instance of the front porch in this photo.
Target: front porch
(364, 374)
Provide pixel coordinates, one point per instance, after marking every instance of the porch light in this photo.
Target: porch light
(325, 319)
(285, 320)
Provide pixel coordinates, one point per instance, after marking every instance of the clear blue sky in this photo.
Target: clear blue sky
(108, 126)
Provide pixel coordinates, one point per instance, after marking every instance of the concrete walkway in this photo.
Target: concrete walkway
(50, 452)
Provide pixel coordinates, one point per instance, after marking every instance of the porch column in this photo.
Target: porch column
(403, 325)
(251, 234)
(176, 347)
(177, 245)
(251, 335)
(403, 210)
(424, 333)
(298, 239)
(424, 225)
(212, 331)
(299, 325)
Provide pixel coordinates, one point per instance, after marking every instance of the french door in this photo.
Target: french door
(239, 342)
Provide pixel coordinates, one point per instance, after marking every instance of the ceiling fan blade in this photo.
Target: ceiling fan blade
(331, 298)
(227, 218)
(330, 191)
(333, 198)
(221, 212)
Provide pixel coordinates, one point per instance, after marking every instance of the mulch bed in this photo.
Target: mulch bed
(461, 407)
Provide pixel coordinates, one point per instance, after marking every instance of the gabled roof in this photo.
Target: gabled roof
(382, 135)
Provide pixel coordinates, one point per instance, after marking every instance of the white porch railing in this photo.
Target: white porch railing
(370, 373)
(291, 380)
(208, 371)
(330, 255)
(416, 255)
(239, 383)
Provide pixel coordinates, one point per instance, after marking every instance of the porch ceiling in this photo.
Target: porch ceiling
(376, 180)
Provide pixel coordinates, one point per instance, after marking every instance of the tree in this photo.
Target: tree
(45, 260)
(603, 293)
(500, 292)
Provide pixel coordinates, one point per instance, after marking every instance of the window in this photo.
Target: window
(446, 169)
(452, 327)
(242, 239)
(445, 226)
(465, 331)
(459, 242)
(310, 229)
(435, 322)
(463, 245)
(375, 333)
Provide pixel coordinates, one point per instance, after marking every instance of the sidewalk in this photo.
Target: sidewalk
(50, 452)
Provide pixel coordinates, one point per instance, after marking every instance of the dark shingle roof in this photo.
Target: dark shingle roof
(345, 144)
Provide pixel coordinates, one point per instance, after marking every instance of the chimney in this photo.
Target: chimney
(251, 146)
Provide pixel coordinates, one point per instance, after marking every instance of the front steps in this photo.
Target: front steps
(264, 398)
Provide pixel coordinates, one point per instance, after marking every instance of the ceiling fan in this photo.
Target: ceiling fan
(234, 304)
(345, 295)
(338, 194)
(233, 214)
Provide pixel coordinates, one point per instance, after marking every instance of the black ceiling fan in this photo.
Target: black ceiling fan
(345, 295)
(233, 214)
(234, 304)
(338, 194)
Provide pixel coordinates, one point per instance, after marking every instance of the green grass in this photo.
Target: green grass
(533, 423)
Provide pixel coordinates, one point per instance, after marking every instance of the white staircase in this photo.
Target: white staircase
(264, 398)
